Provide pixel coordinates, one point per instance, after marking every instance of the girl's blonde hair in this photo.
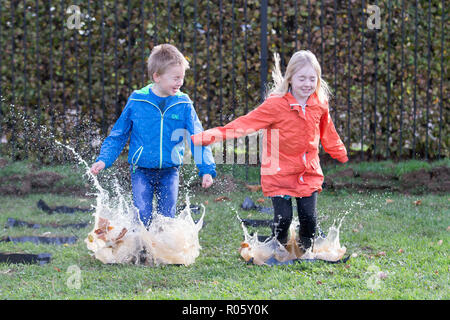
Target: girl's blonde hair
(281, 84)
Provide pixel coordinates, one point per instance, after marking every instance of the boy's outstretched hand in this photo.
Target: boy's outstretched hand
(207, 181)
(97, 167)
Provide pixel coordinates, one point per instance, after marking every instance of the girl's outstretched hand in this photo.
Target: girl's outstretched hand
(207, 181)
(205, 138)
(97, 167)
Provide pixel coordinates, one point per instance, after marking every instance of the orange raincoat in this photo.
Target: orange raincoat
(289, 166)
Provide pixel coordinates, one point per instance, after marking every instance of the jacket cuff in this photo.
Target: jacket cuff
(107, 164)
(205, 138)
(343, 159)
(212, 172)
(197, 139)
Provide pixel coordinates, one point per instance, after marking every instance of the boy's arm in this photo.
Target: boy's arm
(331, 142)
(117, 138)
(260, 118)
(203, 157)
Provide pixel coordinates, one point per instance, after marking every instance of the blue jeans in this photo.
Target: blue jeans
(162, 183)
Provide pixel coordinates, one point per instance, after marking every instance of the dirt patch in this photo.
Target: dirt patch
(376, 176)
(3, 163)
(440, 179)
(436, 180)
(222, 184)
(40, 182)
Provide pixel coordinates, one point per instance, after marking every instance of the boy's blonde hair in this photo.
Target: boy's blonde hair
(299, 59)
(163, 56)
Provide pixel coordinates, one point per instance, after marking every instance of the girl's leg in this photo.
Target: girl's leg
(142, 185)
(282, 218)
(167, 191)
(306, 207)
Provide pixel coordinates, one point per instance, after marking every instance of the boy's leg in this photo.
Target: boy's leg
(306, 207)
(142, 184)
(282, 218)
(167, 191)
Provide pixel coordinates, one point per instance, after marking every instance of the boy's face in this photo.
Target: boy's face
(304, 81)
(170, 81)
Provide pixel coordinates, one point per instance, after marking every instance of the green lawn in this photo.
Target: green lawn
(374, 230)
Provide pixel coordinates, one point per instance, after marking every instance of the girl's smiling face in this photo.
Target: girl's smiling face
(304, 82)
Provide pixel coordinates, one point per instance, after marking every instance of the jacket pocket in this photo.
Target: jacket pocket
(136, 155)
(315, 167)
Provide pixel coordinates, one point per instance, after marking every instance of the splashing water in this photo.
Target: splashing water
(120, 237)
(174, 241)
(328, 248)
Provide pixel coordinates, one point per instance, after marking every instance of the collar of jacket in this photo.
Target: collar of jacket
(179, 97)
(313, 100)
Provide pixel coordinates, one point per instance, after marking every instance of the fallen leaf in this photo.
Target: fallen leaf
(103, 223)
(319, 282)
(355, 230)
(253, 188)
(389, 200)
(244, 245)
(347, 266)
(436, 272)
(418, 202)
(101, 234)
(57, 269)
(381, 253)
(260, 200)
(6, 271)
(121, 234)
(223, 198)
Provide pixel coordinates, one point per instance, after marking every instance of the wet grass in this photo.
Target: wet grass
(396, 246)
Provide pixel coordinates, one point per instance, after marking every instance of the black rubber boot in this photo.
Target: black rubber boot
(282, 218)
(305, 243)
(306, 208)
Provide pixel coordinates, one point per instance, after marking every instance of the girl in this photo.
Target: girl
(296, 110)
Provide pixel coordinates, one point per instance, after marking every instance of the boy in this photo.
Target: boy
(157, 118)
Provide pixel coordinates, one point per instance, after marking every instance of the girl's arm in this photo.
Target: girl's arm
(331, 142)
(203, 157)
(260, 118)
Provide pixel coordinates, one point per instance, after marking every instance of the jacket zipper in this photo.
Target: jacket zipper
(161, 125)
(304, 155)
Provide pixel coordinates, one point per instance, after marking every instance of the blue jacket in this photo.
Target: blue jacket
(157, 136)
